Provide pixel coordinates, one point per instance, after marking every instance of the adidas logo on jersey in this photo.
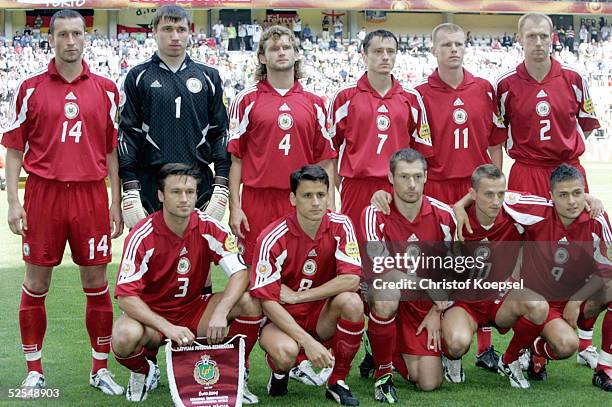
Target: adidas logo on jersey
(70, 96)
(563, 240)
(458, 102)
(312, 253)
(486, 239)
(183, 252)
(156, 84)
(383, 109)
(413, 238)
(541, 94)
(284, 108)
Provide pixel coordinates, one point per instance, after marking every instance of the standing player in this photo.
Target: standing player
(307, 269)
(276, 127)
(499, 237)
(370, 120)
(546, 110)
(64, 134)
(462, 117)
(563, 272)
(172, 111)
(166, 262)
(413, 217)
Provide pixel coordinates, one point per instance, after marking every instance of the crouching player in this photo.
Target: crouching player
(413, 217)
(307, 272)
(522, 310)
(166, 261)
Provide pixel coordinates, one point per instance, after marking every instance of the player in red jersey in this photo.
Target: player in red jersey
(462, 115)
(307, 272)
(522, 310)
(575, 249)
(418, 218)
(370, 120)
(65, 136)
(275, 128)
(165, 264)
(546, 109)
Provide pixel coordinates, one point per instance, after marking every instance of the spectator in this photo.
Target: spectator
(307, 33)
(583, 34)
(296, 26)
(232, 36)
(325, 29)
(569, 38)
(338, 28)
(217, 30)
(257, 30)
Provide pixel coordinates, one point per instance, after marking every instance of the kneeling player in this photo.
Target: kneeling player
(165, 264)
(412, 218)
(307, 273)
(524, 311)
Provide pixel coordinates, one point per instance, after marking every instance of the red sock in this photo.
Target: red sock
(32, 324)
(99, 323)
(151, 354)
(136, 362)
(605, 354)
(541, 348)
(272, 366)
(400, 365)
(483, 337)
(525, 332)
(346, 344)
(249, 327)
(382, 333)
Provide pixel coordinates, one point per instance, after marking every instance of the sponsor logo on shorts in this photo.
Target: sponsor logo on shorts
(26, 249)
(543, 108)
(206, 372)
(511, 198)
(122, 98)
(194, 85)
(460, 116)
(183, 265)
(382, 122)
(285, 121)
(310, 267)
(230, 244)
(264, 268)
(71, 110)
(588, 106)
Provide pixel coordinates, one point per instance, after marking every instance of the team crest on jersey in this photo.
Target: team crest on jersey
(206, 372)
(230, 244)
(413, 251)
(561, 255)
(285, 121)
(382, 122)
(588, 106)
(310, 267)
(194, 85)
(482, 252)
(543, 108)
(460, 116)
(26, 249)
(71, 110)
(183, 265)
(352, 249)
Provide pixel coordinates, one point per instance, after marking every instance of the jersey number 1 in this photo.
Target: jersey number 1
(458, 138)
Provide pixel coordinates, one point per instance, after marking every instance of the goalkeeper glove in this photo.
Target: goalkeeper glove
(218, 201)
(132, 209)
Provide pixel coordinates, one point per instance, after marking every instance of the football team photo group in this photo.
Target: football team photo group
(385, 242)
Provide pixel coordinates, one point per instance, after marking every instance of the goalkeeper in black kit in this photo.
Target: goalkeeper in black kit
(172, 111)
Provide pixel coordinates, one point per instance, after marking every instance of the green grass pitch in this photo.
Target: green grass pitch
(66, 352)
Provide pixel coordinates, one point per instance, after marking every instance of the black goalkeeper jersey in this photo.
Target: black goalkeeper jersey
(172, 117)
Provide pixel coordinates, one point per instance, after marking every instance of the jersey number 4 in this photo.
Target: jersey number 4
(285, 144)
(75, 131)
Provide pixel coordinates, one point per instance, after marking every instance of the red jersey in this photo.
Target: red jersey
(66, 129)
(284, 254)
(566, 256)
(274, 135)
(168, 272)
(545, 121)
(368, 128)
(462, 123)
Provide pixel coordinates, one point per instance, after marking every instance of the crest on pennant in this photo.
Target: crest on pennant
(206, 371)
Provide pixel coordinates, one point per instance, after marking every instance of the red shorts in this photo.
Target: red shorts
(356, 194)
(555, 310)
(261, 206)
(448, 191)
(191, 318)
(482, 312)
(308, 321)
(536, 179)
(57, 212)
(409, 316)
